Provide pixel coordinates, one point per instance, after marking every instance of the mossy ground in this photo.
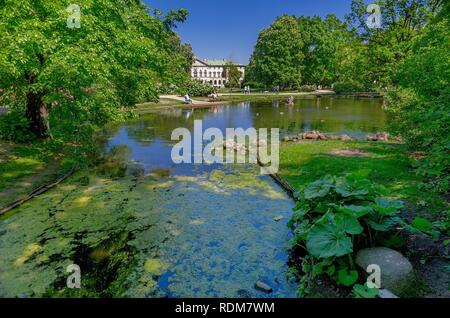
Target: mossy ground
(25, 167)
(386, 164)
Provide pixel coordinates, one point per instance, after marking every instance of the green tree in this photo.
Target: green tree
(322, 39)
(278, 55)
(388, 45)
(65, 79)
(233, 75)
(419, 104)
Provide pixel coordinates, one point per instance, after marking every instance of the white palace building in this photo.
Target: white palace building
(213, 71)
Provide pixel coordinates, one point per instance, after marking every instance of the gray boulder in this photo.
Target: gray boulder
(396, 271)
(135, 169)
(345, 138)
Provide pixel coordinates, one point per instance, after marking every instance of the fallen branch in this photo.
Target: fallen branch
(35, 193)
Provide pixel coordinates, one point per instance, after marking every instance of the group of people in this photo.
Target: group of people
(247, 89)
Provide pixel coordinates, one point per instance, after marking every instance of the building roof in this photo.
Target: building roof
(217, 62)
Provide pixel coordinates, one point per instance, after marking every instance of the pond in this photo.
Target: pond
(179, 230)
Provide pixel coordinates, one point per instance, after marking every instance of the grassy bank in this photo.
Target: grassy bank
(387, 164)
(25, 167)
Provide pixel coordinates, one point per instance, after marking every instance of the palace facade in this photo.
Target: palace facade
(213, 71)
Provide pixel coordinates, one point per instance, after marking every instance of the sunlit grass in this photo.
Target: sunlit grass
(386, 164)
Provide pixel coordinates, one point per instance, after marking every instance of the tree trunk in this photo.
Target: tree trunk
(37, 113)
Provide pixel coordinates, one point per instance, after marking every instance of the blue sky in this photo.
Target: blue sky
(229, 28)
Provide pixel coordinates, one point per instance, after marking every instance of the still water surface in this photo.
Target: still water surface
(180, 231)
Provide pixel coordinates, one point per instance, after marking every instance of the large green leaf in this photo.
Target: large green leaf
(347, 278)
(349, 223)
(387, 206)
(362, 291)
(384, 226)
(354, 210)
(318, 189)
(422, 224)
(327, 240)
(348, 187)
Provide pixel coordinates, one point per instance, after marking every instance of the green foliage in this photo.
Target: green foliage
(233, 75)
(196, 88)
(348, 87)
(307, 88)
(363, 291)
(72, 80)
(419, 106)
(323, 39)
(14, 126)
(278, 55)
(336, 216)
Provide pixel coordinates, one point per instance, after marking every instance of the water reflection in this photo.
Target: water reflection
(149, 138)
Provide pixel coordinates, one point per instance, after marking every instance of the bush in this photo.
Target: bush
(14, 126)
(348, 87)
(196, 88)
(307, 88)
(418, 108)
(335, 217)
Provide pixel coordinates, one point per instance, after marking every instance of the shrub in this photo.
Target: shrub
(196, 88)
(418, 108)
(348, 87)
(255, 86)
(14, 126)
(333, 218)
(307, 88)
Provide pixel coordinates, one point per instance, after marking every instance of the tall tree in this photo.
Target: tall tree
(233, 75)
(277, 58)
(322, 38)
(71, 67)
(401, 22)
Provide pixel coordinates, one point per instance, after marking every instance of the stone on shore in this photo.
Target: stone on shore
(259, 285)
(345, 138)
(396, 271)
(378, 137)
(135, 169)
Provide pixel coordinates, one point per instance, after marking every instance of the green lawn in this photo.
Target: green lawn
(386, 164)
(23, 168)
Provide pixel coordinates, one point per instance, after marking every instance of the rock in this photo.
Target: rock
(322, 136)
(383, 137)
(135, 169)
(286, 138)
(422, 245)
(345, 138)
(229, 144)
(378, 137)
(384, 293)
(278, 218)
(259, 285)
(396, 271)
(311, 135)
